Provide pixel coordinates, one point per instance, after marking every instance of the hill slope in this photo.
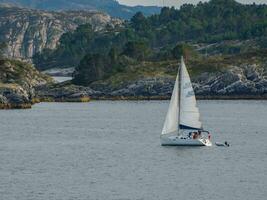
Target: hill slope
(155, 37)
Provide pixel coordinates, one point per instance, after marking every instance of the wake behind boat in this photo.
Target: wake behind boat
(220, 144)
(182, 125)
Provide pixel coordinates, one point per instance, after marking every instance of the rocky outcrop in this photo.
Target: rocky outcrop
(247, 81)
(64, 92)
(14, 96)
(235, 82)
(17, 82)
(27, 31)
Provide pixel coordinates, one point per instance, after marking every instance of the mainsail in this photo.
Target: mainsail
(183, 112)
(189, 112)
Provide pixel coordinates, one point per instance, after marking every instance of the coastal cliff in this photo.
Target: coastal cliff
(27, 31)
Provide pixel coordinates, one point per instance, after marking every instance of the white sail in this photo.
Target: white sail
(171, 122)
(189, 112)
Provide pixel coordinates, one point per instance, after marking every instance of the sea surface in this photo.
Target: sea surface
(110, 150)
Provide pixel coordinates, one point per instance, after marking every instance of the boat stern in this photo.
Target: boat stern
(205, 142)
(180, 141)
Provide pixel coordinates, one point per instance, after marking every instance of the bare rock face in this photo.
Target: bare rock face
(27, 31)
(244, 80)
(14, 96)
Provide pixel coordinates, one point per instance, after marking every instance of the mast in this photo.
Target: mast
(179, 94)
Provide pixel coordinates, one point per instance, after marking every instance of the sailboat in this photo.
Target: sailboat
(182, 125)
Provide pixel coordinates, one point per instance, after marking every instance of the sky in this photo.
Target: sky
(176, 3)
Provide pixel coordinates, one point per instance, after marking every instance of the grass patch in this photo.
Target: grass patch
(141, 70)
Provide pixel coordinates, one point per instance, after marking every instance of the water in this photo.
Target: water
(111, 151)
(60, 79)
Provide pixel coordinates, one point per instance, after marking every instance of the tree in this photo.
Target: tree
(3, 47)
(137, 50)
(184, 50)
(90, 69)
(139, 21)
(113, 55)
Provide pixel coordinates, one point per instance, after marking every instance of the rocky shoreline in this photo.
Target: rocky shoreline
(247, 81)
(82, 96)
(148, 89)
(230, 82)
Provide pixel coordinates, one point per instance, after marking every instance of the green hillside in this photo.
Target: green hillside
(192, 30)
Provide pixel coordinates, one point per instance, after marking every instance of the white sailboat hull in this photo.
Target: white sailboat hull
(178, 141)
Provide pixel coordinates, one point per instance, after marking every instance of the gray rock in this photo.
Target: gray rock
(17, 82)
(14, 95)
(3, 99)
(28, 31)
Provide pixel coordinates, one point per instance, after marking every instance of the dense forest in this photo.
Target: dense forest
(156, 38)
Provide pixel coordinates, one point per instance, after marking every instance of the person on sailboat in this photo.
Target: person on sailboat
(199, 133)
(209, 135)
